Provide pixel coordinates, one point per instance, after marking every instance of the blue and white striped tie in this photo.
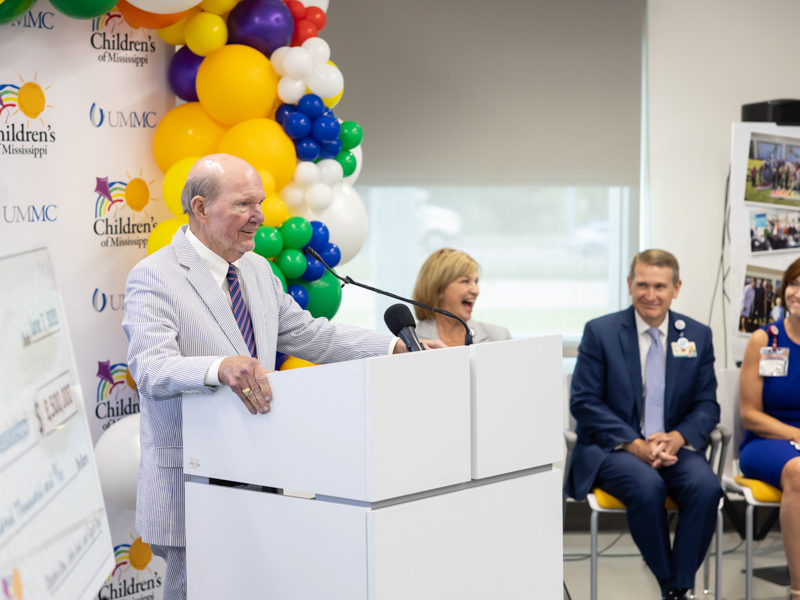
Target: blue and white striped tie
(654, 381)
(240, 311)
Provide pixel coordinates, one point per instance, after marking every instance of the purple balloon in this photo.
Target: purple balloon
(265, 25)
(183, 73)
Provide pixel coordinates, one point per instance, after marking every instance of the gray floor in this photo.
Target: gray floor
(627, 577)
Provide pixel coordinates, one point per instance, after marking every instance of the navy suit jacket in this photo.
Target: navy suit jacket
(606, 397)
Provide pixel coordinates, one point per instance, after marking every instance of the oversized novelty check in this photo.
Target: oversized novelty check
(54, 534)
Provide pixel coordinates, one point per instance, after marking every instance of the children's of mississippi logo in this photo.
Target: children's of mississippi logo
(20, 105)
(116, 393)
(120, 214)
(135, 556)
(121, 44)
(12, 585)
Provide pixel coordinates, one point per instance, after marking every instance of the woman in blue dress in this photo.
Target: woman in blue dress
(770, 409)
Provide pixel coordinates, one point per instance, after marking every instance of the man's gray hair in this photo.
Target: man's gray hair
(205, 184)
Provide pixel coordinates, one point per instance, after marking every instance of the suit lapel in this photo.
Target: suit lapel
(258, 318)
(674, 366)
(630, 349)
(213, 296)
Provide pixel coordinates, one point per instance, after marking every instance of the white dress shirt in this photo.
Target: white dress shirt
(219, 271)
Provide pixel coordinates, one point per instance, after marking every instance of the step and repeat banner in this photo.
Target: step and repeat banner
(79, 103)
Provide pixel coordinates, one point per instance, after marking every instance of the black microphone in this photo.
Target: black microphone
(401, 323)
(347, 279)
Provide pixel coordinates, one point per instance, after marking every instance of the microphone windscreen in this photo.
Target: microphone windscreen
(398, 316)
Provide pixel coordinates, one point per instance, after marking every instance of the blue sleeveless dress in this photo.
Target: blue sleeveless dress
(764, 459)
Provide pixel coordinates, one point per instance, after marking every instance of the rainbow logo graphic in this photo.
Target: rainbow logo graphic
(134, 193)
(112, 376)
(12, 586)
(27, 98)
(135, 555)
(110, 19)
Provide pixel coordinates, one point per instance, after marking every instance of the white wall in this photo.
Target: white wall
(705, 59)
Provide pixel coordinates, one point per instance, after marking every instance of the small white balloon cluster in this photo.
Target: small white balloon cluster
(306, 67)
(312, 185)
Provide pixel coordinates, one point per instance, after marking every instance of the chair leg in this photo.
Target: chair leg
(593, 557)
(707, 572)
(718, 560)
(749, 552)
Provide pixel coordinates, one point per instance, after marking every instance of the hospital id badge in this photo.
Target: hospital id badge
(774, 362)
(683, 348)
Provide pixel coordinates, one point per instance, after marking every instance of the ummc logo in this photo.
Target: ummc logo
(30, 214)
(101, 301)
(98, 116)
(42, 20)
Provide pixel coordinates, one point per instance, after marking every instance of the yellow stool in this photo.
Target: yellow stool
(606, 500)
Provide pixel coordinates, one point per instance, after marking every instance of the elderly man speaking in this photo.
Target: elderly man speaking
(203, 312)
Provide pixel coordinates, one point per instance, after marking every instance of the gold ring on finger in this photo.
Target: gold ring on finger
(246, 392)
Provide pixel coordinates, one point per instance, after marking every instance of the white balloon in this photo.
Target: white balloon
(346, 219)
(359, 161)
(117, 455)
(323, 4)
(326, 81)
(292, 195)
(303, 211)
(330, 171)
(290, 90)
(277, 59)
(306, 174)
(319, 49)
(319, 197)
(298, 63)
(165, 7)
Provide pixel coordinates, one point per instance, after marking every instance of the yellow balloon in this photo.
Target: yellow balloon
(236, 83)
(174, 34)
(218, 7)
(162, 235)
(263, 144)
(173, 184)
(206, 32)
(184, 219)
(185, 131)
(295, 363)
(269, 182)
(275, 211)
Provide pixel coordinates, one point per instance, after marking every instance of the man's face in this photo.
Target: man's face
(652, 292)
(231, 221)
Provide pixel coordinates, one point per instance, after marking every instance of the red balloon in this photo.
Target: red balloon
(317, 17)
(298, 9)
(303, 30)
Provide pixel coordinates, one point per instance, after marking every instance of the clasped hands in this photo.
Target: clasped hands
(658, 450)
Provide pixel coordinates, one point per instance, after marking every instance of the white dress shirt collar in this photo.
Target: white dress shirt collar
(215, 263)
(642, 327)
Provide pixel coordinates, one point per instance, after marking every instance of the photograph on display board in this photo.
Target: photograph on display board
(760, 302)
(774, 230)
(773, 170)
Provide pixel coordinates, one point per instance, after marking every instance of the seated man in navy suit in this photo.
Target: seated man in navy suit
(644, 397)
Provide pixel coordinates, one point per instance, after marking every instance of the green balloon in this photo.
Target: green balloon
(269, 242)
(324, 296)
(293, 263)
(351, 135)
(348, 161)
(296, 232)
(279, 275)
(11, 10)
(83, 9)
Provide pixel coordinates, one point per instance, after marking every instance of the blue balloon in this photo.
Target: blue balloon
(307, 149)
(331, 149)
(297, 125)
(300, 295)
(311, 105)
(331, 255)
(328, 112)
(280, 358)
(183, 73)
(314, 270)
(284, 110)
(320, 236)
(325, 129)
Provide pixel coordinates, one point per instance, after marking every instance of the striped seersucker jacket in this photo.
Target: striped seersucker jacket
(178, 320)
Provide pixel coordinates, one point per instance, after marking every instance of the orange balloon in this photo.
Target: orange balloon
(141, 18)
(185, 131)
(264, 144)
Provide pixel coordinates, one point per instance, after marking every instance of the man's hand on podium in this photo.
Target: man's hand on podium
(248, 379)
(400, 347)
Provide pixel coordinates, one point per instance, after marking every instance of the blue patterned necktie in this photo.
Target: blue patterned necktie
(654, 381)
(240, 311)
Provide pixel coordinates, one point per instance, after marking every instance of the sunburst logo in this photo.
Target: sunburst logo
(117, 195)
(110, 20)
(136, 555)
(27, 98)
(112, 376)
(12, 585)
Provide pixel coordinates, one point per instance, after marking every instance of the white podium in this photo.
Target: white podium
(431, 475)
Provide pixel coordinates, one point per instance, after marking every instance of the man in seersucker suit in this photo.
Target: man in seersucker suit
(203, 312)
